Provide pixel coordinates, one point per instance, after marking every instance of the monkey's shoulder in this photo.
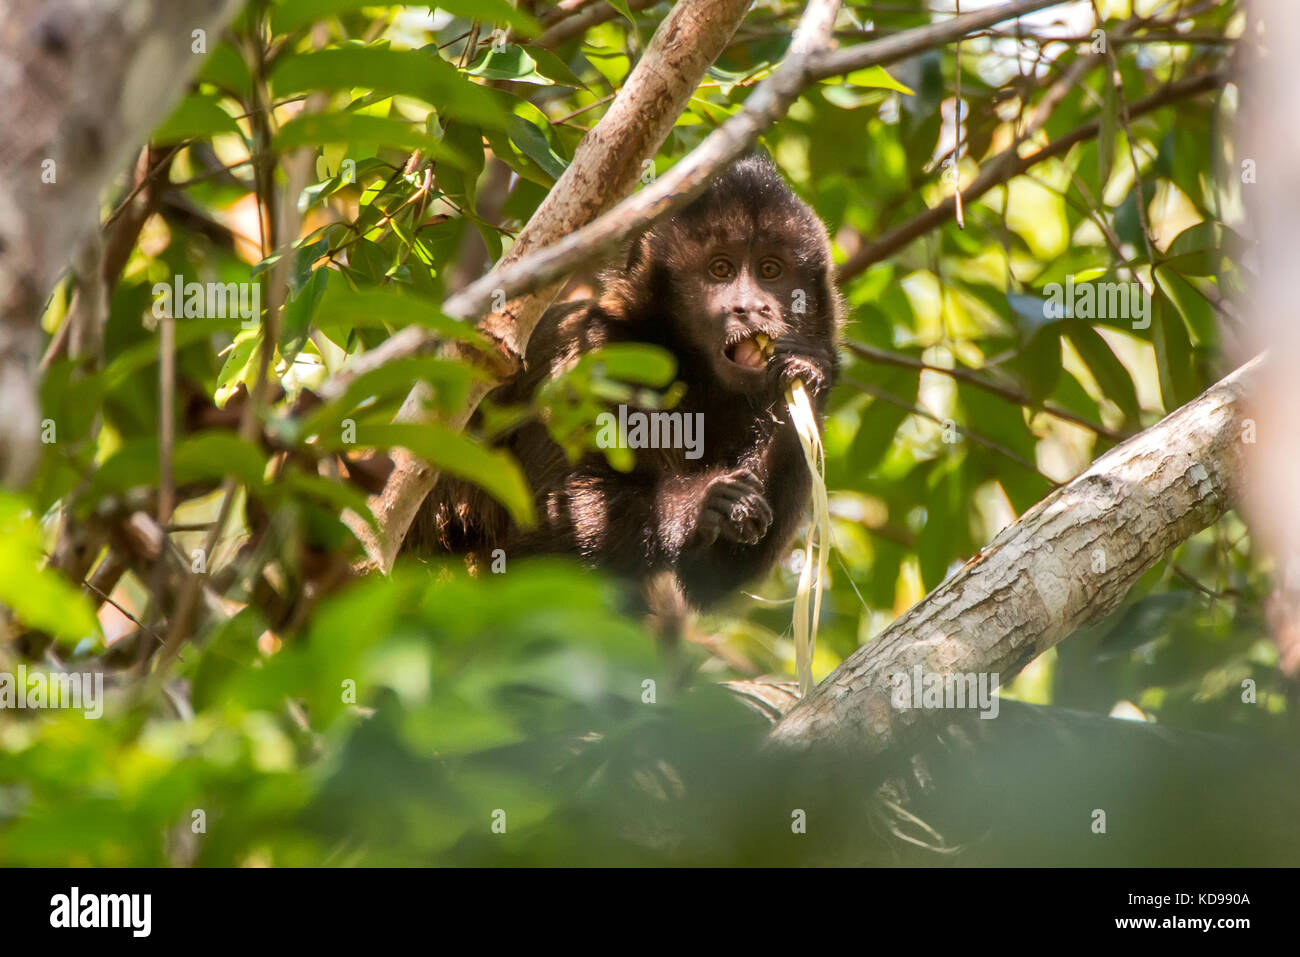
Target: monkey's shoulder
(563, 335)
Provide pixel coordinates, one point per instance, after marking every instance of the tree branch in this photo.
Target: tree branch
(1067, 562)
(564, 25)
(1009, 164)
(960, 373)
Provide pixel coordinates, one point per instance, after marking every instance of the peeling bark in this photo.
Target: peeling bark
(1068, 561)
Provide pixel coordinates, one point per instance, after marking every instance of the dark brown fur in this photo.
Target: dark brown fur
(699, 527)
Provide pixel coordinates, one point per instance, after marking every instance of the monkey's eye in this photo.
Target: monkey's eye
(769, 269)
(720, 267)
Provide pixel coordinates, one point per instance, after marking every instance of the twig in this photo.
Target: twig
(961, 374)
(584, 19)
(971, 434)
(1009, 164)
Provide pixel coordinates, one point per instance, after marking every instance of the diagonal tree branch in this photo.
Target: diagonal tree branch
(1009, 164)
(1067, 562)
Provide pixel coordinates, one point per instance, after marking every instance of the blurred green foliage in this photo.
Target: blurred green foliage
(397, 721)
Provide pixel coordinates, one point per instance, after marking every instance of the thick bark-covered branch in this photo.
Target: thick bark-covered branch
(1068, 561)
(81, 86)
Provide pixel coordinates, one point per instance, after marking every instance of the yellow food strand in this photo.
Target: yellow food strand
(819, 536)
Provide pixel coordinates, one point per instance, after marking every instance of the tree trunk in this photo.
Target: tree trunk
(81, 87)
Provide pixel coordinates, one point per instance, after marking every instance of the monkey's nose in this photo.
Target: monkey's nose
(753, 307)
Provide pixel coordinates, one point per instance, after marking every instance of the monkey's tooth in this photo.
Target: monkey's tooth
(765, 345)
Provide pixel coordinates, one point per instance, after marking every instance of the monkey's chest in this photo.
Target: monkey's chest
(693, 440)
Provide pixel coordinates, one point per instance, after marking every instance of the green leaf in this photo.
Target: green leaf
(408, 72)
(449, 378)
(337, 495)
(1106, 126)
(298, 313)
(880, 419)
(205, 457)
(1038, 364)
(459, 455)
(38, 598)
(509, 63)
(874, 437)
(217, 455)
(359, 130)
(1072, 396)
(1173, 356)
(226, 69)
(1111, 375)
(632, 362)
(1128, 224)
(550, 65)
(508, 153)
(369, 261)
(196, 117)
(1192, 305)
(943, 511)
(622, 7)
(460, 184)
(238, 360)
(1195, 251)
(1186, 157)
(532, 143)
(993, 417)
(136, 358)
(494, 11)
(877, 78)
(389, 306)
(293, 14)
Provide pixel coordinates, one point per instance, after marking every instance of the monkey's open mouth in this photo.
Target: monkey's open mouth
(752, 352)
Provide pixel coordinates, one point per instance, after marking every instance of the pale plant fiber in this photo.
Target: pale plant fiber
(818, 537)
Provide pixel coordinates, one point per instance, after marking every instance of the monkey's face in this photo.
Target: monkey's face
(737, 280)
(734, 299)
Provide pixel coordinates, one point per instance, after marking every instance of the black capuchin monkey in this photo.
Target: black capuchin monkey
(738, 287)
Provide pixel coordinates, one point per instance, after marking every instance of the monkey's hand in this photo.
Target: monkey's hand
(733, 508)
(812, 367)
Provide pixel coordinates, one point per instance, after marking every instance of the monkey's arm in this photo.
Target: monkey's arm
(646, 519)
(711, 570)
(714, 529)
